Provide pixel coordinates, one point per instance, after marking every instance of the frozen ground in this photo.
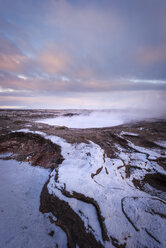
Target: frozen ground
(109, 192)
(133, 217)
(21, 223)
(95, 119)
(87, 170)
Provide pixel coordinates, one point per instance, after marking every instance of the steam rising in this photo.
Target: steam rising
(99, 119)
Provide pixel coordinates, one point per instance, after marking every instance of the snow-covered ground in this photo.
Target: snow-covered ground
(132, 217)
(95, 119)
(111, 192)
(21, 223)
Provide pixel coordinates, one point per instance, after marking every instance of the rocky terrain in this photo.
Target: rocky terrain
(107, 186)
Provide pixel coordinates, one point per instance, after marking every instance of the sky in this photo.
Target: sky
(83, 54)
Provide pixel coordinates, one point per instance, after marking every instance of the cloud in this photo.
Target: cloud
(82, 47)
(22, 77)
(151, 55)
(49, 85)
(11, 107)
(11, 58)
(10, 90)
(87, 39)
(150, 81)
(53, 60)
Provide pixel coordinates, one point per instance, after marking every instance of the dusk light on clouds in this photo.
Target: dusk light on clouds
(83, 123)
(83, 54)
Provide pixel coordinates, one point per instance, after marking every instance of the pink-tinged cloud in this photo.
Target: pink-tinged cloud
(11, 62)
(81, 47)
(11, 58)
(53, 59)
(151, 55)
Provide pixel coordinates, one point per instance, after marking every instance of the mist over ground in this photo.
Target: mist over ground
(101, 118)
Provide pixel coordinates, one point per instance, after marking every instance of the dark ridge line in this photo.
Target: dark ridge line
(125, 143)
(119, 167)
(150, 179)
(153, 212)
(98, 183)
(104, 156)
(161, 215)
(89, 226)
(90, 200)
(64, 228)
(118, 139)
(152, 236)
(158, 199)
(127, 215)
(106, 171)
(115, 243)
(70, 222)
(97, 172)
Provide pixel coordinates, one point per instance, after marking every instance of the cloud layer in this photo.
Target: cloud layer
(67, 49)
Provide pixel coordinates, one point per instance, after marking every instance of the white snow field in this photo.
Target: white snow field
(132, 217)
(21, 223)
(96, 119)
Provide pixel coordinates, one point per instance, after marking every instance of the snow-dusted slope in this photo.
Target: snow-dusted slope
(100, 190)
(21, 223)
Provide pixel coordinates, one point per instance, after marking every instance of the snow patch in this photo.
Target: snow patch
(129, 134)
(22, 225)
(161, 143)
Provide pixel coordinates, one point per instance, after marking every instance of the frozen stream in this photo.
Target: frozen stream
(21, 223)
